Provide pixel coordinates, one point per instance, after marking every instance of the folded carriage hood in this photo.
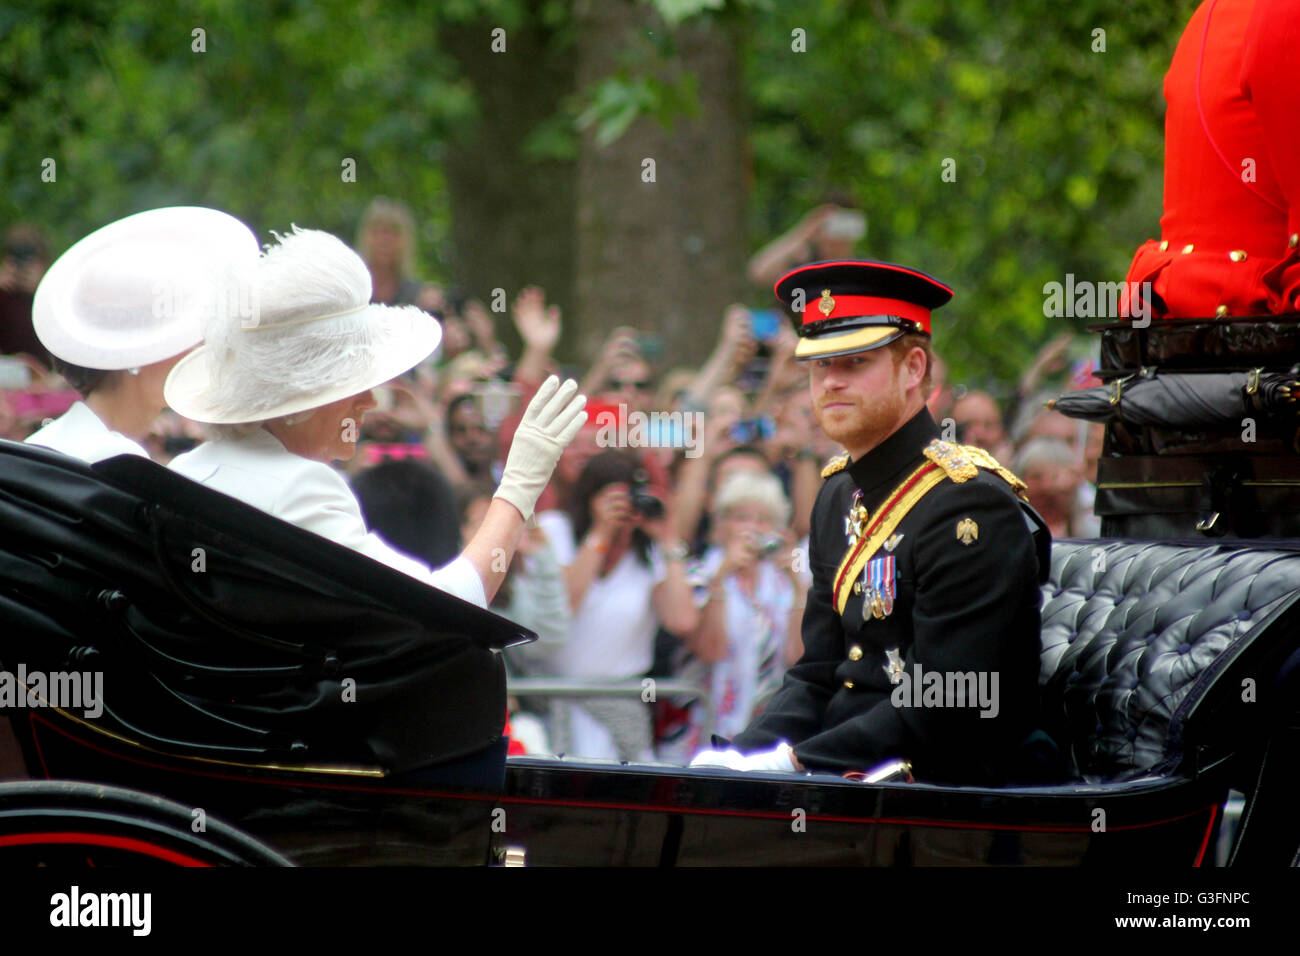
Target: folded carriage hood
(221, 630)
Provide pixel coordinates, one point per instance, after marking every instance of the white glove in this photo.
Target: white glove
(730, 759)
(551, 420)
(779, 760)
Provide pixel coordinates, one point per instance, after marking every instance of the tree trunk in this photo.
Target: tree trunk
(665, 256)
(512, 216)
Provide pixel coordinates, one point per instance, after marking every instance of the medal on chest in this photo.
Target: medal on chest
(879, 587)
(855, 522)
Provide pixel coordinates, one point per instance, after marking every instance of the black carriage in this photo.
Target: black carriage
(340, 712)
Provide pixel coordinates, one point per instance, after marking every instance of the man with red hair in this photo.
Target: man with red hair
(921, 628)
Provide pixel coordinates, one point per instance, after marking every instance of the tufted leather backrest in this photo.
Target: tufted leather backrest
(1134, 633)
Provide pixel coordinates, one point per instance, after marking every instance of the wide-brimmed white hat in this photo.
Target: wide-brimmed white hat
(314, 338)
(138, 290)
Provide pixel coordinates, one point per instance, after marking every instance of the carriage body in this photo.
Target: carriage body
(225, 690)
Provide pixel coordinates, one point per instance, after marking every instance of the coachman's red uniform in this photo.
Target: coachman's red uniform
(1230, 234)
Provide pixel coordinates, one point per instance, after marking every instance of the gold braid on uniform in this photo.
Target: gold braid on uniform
(838, 463)
(958, 462)
(961, 462)
(989, 463)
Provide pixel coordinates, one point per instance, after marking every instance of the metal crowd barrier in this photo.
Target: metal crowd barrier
(577, 687)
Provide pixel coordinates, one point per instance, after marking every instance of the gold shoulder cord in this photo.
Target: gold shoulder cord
(986, 461)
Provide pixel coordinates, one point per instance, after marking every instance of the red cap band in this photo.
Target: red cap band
(845, 306)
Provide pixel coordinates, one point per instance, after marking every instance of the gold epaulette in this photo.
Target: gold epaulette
(835, 464)
(961, 462)
(953, 459)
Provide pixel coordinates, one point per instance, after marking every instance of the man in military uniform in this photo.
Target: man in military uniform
(921, 630)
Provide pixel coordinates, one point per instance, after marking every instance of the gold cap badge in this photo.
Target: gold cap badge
(827, 305)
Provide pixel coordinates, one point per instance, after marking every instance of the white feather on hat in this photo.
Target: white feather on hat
(312, 338)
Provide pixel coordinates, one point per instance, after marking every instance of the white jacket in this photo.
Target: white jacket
(259, 470)
(79, 432)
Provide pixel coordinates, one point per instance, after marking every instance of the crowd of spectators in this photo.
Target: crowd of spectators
(683, 557)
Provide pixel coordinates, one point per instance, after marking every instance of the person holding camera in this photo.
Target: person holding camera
(750, 603)
(625, 573)
(827, 233)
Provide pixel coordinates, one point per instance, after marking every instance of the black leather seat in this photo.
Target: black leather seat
(1137, 634)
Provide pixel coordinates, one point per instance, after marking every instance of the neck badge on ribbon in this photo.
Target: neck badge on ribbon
(855, 522)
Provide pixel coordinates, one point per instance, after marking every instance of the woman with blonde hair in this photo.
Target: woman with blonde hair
(386, 241)
(750, 607)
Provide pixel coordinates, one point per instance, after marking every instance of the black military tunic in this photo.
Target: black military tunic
(965, 598)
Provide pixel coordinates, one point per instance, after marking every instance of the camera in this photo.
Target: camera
(766, 324)
(768, 545)
(644, 503)
(752, 429)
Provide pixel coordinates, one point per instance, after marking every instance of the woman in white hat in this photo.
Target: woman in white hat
(119, 309)
(289, 390)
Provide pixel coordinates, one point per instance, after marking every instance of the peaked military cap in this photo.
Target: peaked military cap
(849, 306)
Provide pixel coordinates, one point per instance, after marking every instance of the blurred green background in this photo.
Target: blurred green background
(526, 164)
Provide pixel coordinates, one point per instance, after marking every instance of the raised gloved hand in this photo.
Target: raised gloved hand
(551, 420)
(730, 759)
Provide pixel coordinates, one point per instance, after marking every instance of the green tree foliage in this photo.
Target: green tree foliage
(1058, 149)
(258, 123)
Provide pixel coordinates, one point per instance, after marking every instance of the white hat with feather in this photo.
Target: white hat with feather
(312, 338)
